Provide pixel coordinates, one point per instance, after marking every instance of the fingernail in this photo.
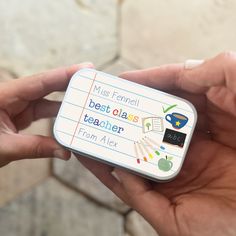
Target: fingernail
(115, 175)
(191, 63)
(61, 154)
(86, 64)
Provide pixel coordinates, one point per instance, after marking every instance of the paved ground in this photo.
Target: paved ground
(56, 198)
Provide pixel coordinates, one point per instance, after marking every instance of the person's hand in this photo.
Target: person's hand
(22, 102)
(202, 199)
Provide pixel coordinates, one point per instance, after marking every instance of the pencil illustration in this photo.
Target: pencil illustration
(142, 152)
(149, 145)
(136, 152)
(146, 150)
(154, 143)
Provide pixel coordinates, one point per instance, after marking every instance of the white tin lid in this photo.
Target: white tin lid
(125, 124)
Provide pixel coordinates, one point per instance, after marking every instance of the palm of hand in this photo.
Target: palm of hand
(200, 200)
(202, 196)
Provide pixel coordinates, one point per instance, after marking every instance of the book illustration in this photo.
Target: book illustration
(154, 124)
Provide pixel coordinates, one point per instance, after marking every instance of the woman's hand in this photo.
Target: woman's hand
(22, 102)
(202, 199)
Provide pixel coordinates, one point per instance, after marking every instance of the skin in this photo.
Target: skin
(202, 199)
(22, 102)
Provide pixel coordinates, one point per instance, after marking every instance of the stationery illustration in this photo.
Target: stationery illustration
(177, 120)
(150, 146)
(174, 137)
(152, 124)
(148, 139)
(142, 148)
(142, 152)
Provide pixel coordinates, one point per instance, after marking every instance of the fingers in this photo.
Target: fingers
(218, 71)
(45, 109)
(135, 191)
(132, 184)
(153, 206)
(104, 173)
(39, 109)
(164, 77)
(37, 86)
(18, 146)
(4, 163)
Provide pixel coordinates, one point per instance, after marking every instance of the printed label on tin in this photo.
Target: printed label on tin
(125, 123)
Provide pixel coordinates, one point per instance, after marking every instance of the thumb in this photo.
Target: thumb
(18, 146)
(217, 71)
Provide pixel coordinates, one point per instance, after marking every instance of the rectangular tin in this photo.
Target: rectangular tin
(125, 124)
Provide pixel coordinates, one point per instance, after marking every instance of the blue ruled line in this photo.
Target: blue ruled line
(107, 99)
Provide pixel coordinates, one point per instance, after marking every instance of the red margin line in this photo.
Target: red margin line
(83, 109)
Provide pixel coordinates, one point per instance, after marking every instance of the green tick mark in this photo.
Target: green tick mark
(168, 108)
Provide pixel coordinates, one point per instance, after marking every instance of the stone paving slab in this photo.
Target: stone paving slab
(155, 32)
(37, 35)
(54, 210)
(77, 176)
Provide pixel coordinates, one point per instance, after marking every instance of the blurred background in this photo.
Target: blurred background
(56, 198)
